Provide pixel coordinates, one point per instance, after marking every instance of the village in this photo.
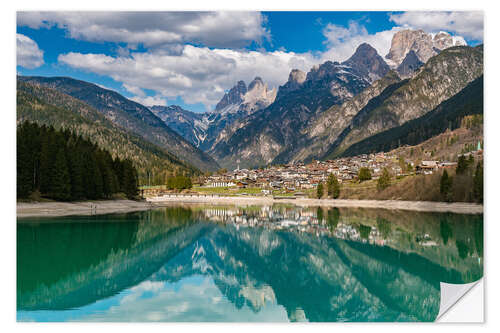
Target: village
(300, 176)
(301, 180)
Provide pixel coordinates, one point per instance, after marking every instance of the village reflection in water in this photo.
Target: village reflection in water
(255, 263)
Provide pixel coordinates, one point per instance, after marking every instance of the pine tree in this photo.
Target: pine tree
(470, 162)
(364, 174)
(118, 169)
(28, 158)
(319, 190)
(336, 188)
(462, 165)
(478, 183)
(61, 183)
(189, 183)
(384, 181)
(109, 181)
(333, 186)
(445, 186)
(97, 176)
(130, 179)
(24, 164)
(46, 164)
(77, 172)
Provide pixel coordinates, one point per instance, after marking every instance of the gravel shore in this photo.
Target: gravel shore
(49, 209)
(424, 206)
(41, 209)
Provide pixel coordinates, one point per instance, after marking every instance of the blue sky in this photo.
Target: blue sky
(190, 59)
(308, 36)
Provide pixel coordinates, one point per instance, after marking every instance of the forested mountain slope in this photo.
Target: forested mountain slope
(326, 127)
(130, 116)
(443, 76)
(47, 106)
(447, 115)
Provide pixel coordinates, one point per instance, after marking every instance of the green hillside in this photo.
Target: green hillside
(50, 107)
(128, 115)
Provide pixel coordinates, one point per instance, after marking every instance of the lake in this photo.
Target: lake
(256, 263)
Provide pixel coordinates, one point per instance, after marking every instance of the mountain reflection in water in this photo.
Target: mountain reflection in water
(256, 263)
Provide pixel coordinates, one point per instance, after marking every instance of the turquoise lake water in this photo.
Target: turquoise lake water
(257, 263)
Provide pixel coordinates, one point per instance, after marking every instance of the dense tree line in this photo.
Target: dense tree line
(466, 185)
(179, 183)
(63, 166)
(49, 107)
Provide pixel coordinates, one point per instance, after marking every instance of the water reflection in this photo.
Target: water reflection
(257, 263)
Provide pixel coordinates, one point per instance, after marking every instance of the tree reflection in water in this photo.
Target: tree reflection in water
(317, 264)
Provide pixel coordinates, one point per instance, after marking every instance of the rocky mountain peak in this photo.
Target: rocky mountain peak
(367, 62)
(246, 99)
(444, 40)
(171, 108)
(241, 86)
(297, 76)
(258, 95)
(257, 82)
(405, 40)
(233, 96)
(423, 44)
(295, 80)
(363, 50)
(324, 70)
(409, 65)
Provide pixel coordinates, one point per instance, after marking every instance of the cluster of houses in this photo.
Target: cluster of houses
(300, 176)
(429, 167)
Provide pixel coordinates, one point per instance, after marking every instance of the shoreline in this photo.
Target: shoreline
(421, 206)
(81, 208)
(55, 209)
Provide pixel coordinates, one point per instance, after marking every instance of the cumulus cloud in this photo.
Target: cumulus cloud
(28, 53)
(197, 74)
(468, 24)
(134, 90)
(343, 41)
(150, 100)
(171, 66)
(212, 29)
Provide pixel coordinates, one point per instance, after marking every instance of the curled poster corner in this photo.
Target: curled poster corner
(451, 295)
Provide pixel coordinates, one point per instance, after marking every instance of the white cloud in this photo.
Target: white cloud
(150, 100)
(197, 74)
(141, 97)
(28, 53)
(468, 24)
(213, 29)
(342, 41)
(134, 90)
(201, 74)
